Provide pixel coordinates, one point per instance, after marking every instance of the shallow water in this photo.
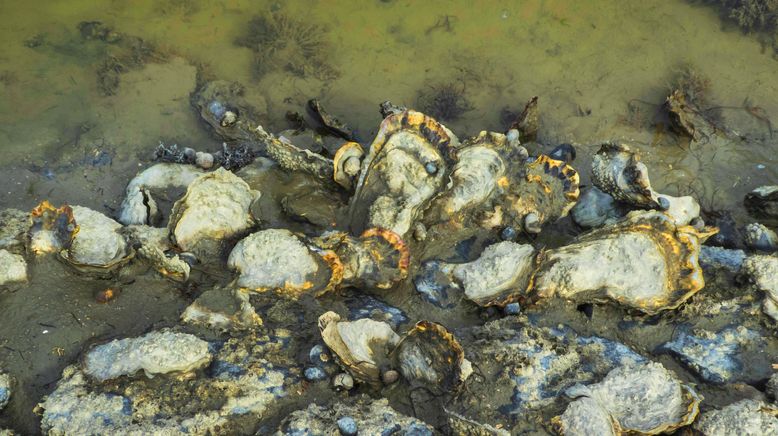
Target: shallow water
(64, 140)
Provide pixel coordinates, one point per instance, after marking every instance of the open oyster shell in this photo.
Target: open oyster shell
(644, 261)
(99, 245)
(362, 346)
(641, 398)
(617, 171)
(430, 356)
(406, 166)
(215, 209)
(139, 205)
(52, 229)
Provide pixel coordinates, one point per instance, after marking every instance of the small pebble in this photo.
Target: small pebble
(107, 295)
(513, 136)
(431, 168)
(418, 430)
(318, 355)
(420, 232)
(390, 376)
(347, 426)
(189, 154)
(512, 309)
(344, 381)
(315, 374)
(508, 234)
(204, 160)
(664, 203)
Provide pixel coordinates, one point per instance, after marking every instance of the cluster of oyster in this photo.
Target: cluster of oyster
(401, 204)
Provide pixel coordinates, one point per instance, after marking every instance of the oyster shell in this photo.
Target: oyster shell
(585, 416)
(407, 164)
(430, 356)
(153, 245)
(277, 259)
(52, 229)
(214, 210)
(644, 261)
(644, 399)
(139, 206)
(362, 346)
(99, 244)
(617, 171)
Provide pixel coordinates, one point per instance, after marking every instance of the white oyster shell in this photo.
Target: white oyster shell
(501, 269)
(13, 268)
(216, 208)
(98, 241)
(138, 206)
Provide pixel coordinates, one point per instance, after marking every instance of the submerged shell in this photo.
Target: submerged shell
(98, 243)
(429, 356)
(643, 398)
(215, 209)
(52, 229)
(406, 166)
(644, 261)
(362, 346)
(617, 171)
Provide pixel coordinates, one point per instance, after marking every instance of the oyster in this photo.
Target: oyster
(139, 206)
(617, 171)
(362, 346)
(644, 261)
(430, 356)
(739, 418)
(585, 416)
(644, 399)
(13, 268)
(99, 245)
(153, 245)
(277, 259)
(214, 210)
(407, 164)
(52, 229)
(763, 271)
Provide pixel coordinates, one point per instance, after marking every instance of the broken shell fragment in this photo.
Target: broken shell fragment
(347, 161)
(394, 185)
(644, 261)
(362, 346)
(617, 171)
(641, 398)
(430, 356)
(215, 209)
(154, 246)
(13, 268)
(52, 230)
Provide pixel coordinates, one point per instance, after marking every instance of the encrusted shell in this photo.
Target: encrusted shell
(52, 229)
(406, 166)
(644, 261)
(216, 208)
(430, 356)
(99, 246)
(346, 163)
(617, 171)
(362, 346)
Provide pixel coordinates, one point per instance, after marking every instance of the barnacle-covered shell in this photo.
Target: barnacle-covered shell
(52, 229)
(139, 206)
(215, 209)
(644, 261)
(406, 166)
(430, 356)
(641, 398)
(99, 245)
(347, 161)
(276, 259)
(617, 171)
(362, 346)
(584, 417)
